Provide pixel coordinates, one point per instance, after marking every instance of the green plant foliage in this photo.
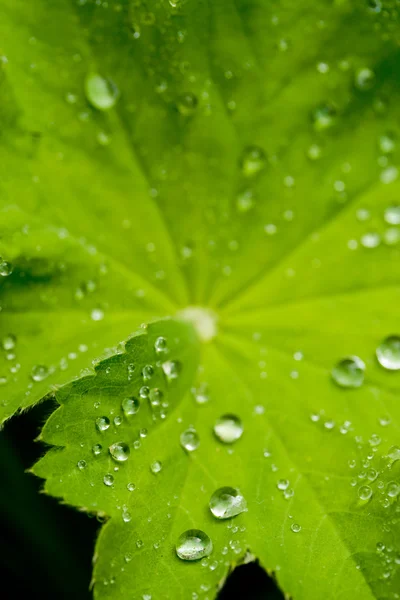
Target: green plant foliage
(232, 165)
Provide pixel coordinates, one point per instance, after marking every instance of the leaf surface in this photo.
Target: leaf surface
(247, 167)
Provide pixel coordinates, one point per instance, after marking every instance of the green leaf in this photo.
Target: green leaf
(232, 164)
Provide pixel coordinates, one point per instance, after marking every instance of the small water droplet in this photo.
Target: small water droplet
(364, 79)
(156, 467)
(193, 544)
(295, 527)
(392, 215)
(228, 428)
(97, 448)
(365, 493)
(108, 479)
(283, 484)
(101, 93)
(160, 345)
(349, 372)
(102, 423)
(39, 372)
(245, 201)
(119, 451)
(201, 393)
(187, 104)
(171, 369)
(227, 502)
(388, 353)
(324, 116)
(147, 372)
(253, 161)
(6, 268)
(81, 465)
(190, 440)
(144, 391)
(130, 406)
(130, 487)
(393, 489)
(9, 341)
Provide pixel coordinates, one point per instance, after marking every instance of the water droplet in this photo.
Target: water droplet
(39, 372)
(97, 314)
(314, 152)
(155, 396)
(393, 489)
(187, 104)
(365, 493)
(102, 423)
(144, 392)
(126, 516)
(253, 161)
(97, 448)
(101, 93)
(171, 369)
(228, 428)
(6, 268)
(156, 467)
(108, 479)
(130, 406)
(372, 239)
(388, 353)
(131, 487)
(283, 484)
(389, 175)
(387, 143)
(201, 394)
(193, 545)
(81, 465)
(295, 527)
(393, 455)
(391, 236)
(245, 201)
(392, 215)
(160, 345)
(324, 117)
(364, 79)
(9, 341)
(190, 440)
(349, 372)
(117, 421)
(147, 372)
(227, 502)
(119, 451)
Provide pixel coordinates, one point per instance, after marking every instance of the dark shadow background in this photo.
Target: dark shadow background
(46, 547)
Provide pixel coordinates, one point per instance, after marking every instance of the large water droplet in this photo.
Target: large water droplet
(39, 372)
(253, 161)
(193, 545)
(349, 372)
(227, 502)
(388, 353)
(228, 428)
(130, 406)
(102, 423)
(190, 440)
(119, 451)
(101, 93)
